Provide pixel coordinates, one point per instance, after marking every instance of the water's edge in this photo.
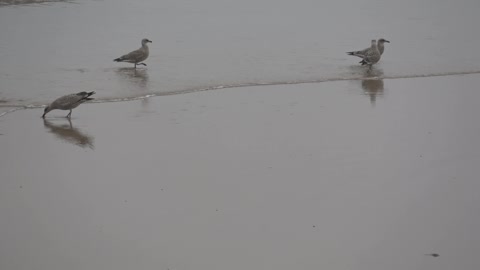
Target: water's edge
(187, 91)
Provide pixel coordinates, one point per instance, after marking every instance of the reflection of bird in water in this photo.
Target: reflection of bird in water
(138, 77)
(433, 254)
(373, 88)
(69, 134)
(26, 2)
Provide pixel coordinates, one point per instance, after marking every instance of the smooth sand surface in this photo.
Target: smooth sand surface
(339, 175)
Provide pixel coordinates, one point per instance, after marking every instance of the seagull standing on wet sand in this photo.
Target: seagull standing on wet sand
(380, 45)
(137, 56)
(68, 102)
(372, 55)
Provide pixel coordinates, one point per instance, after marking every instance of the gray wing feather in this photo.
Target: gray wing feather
(135, 56)
(360, 53)
(372, 56)
(363, 52)
(71, 101)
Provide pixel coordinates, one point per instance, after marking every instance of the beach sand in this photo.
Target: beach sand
(336, 175)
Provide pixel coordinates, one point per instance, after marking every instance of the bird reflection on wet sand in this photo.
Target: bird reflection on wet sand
(66, 132)
(137, 77)
(372, 82)
(26, 2)
(373, 88)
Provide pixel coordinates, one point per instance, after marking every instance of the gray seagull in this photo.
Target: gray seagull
(380, 45)
(372, 55)
(68, 102)
(137, 56)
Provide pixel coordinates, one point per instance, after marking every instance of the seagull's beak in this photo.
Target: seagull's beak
(150, 41)
(45, 112)
(387, 41)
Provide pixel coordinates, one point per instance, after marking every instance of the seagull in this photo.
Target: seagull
(136, 56)
(381, 48)
(68, 102)
(372, 55)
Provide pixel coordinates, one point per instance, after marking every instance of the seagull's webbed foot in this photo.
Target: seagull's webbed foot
(142, 64)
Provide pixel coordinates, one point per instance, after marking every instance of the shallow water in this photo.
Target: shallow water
(51, 48)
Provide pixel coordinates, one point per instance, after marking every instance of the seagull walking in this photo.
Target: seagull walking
(137, 56)
(68, 102)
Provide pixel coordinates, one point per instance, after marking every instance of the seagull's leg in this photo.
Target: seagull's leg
(70, 114)
(135, 65)
(369, 70)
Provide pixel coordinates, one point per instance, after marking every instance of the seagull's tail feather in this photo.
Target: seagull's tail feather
(120, 59)
(357, 53)
(87, 97)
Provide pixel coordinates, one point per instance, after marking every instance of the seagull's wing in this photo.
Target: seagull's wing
(72, 99)
(360, 53)
(372, 56)
(135, 56)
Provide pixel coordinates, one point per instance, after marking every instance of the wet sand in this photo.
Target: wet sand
(338, 175)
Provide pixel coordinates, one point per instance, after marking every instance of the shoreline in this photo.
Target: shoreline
(246, 85)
